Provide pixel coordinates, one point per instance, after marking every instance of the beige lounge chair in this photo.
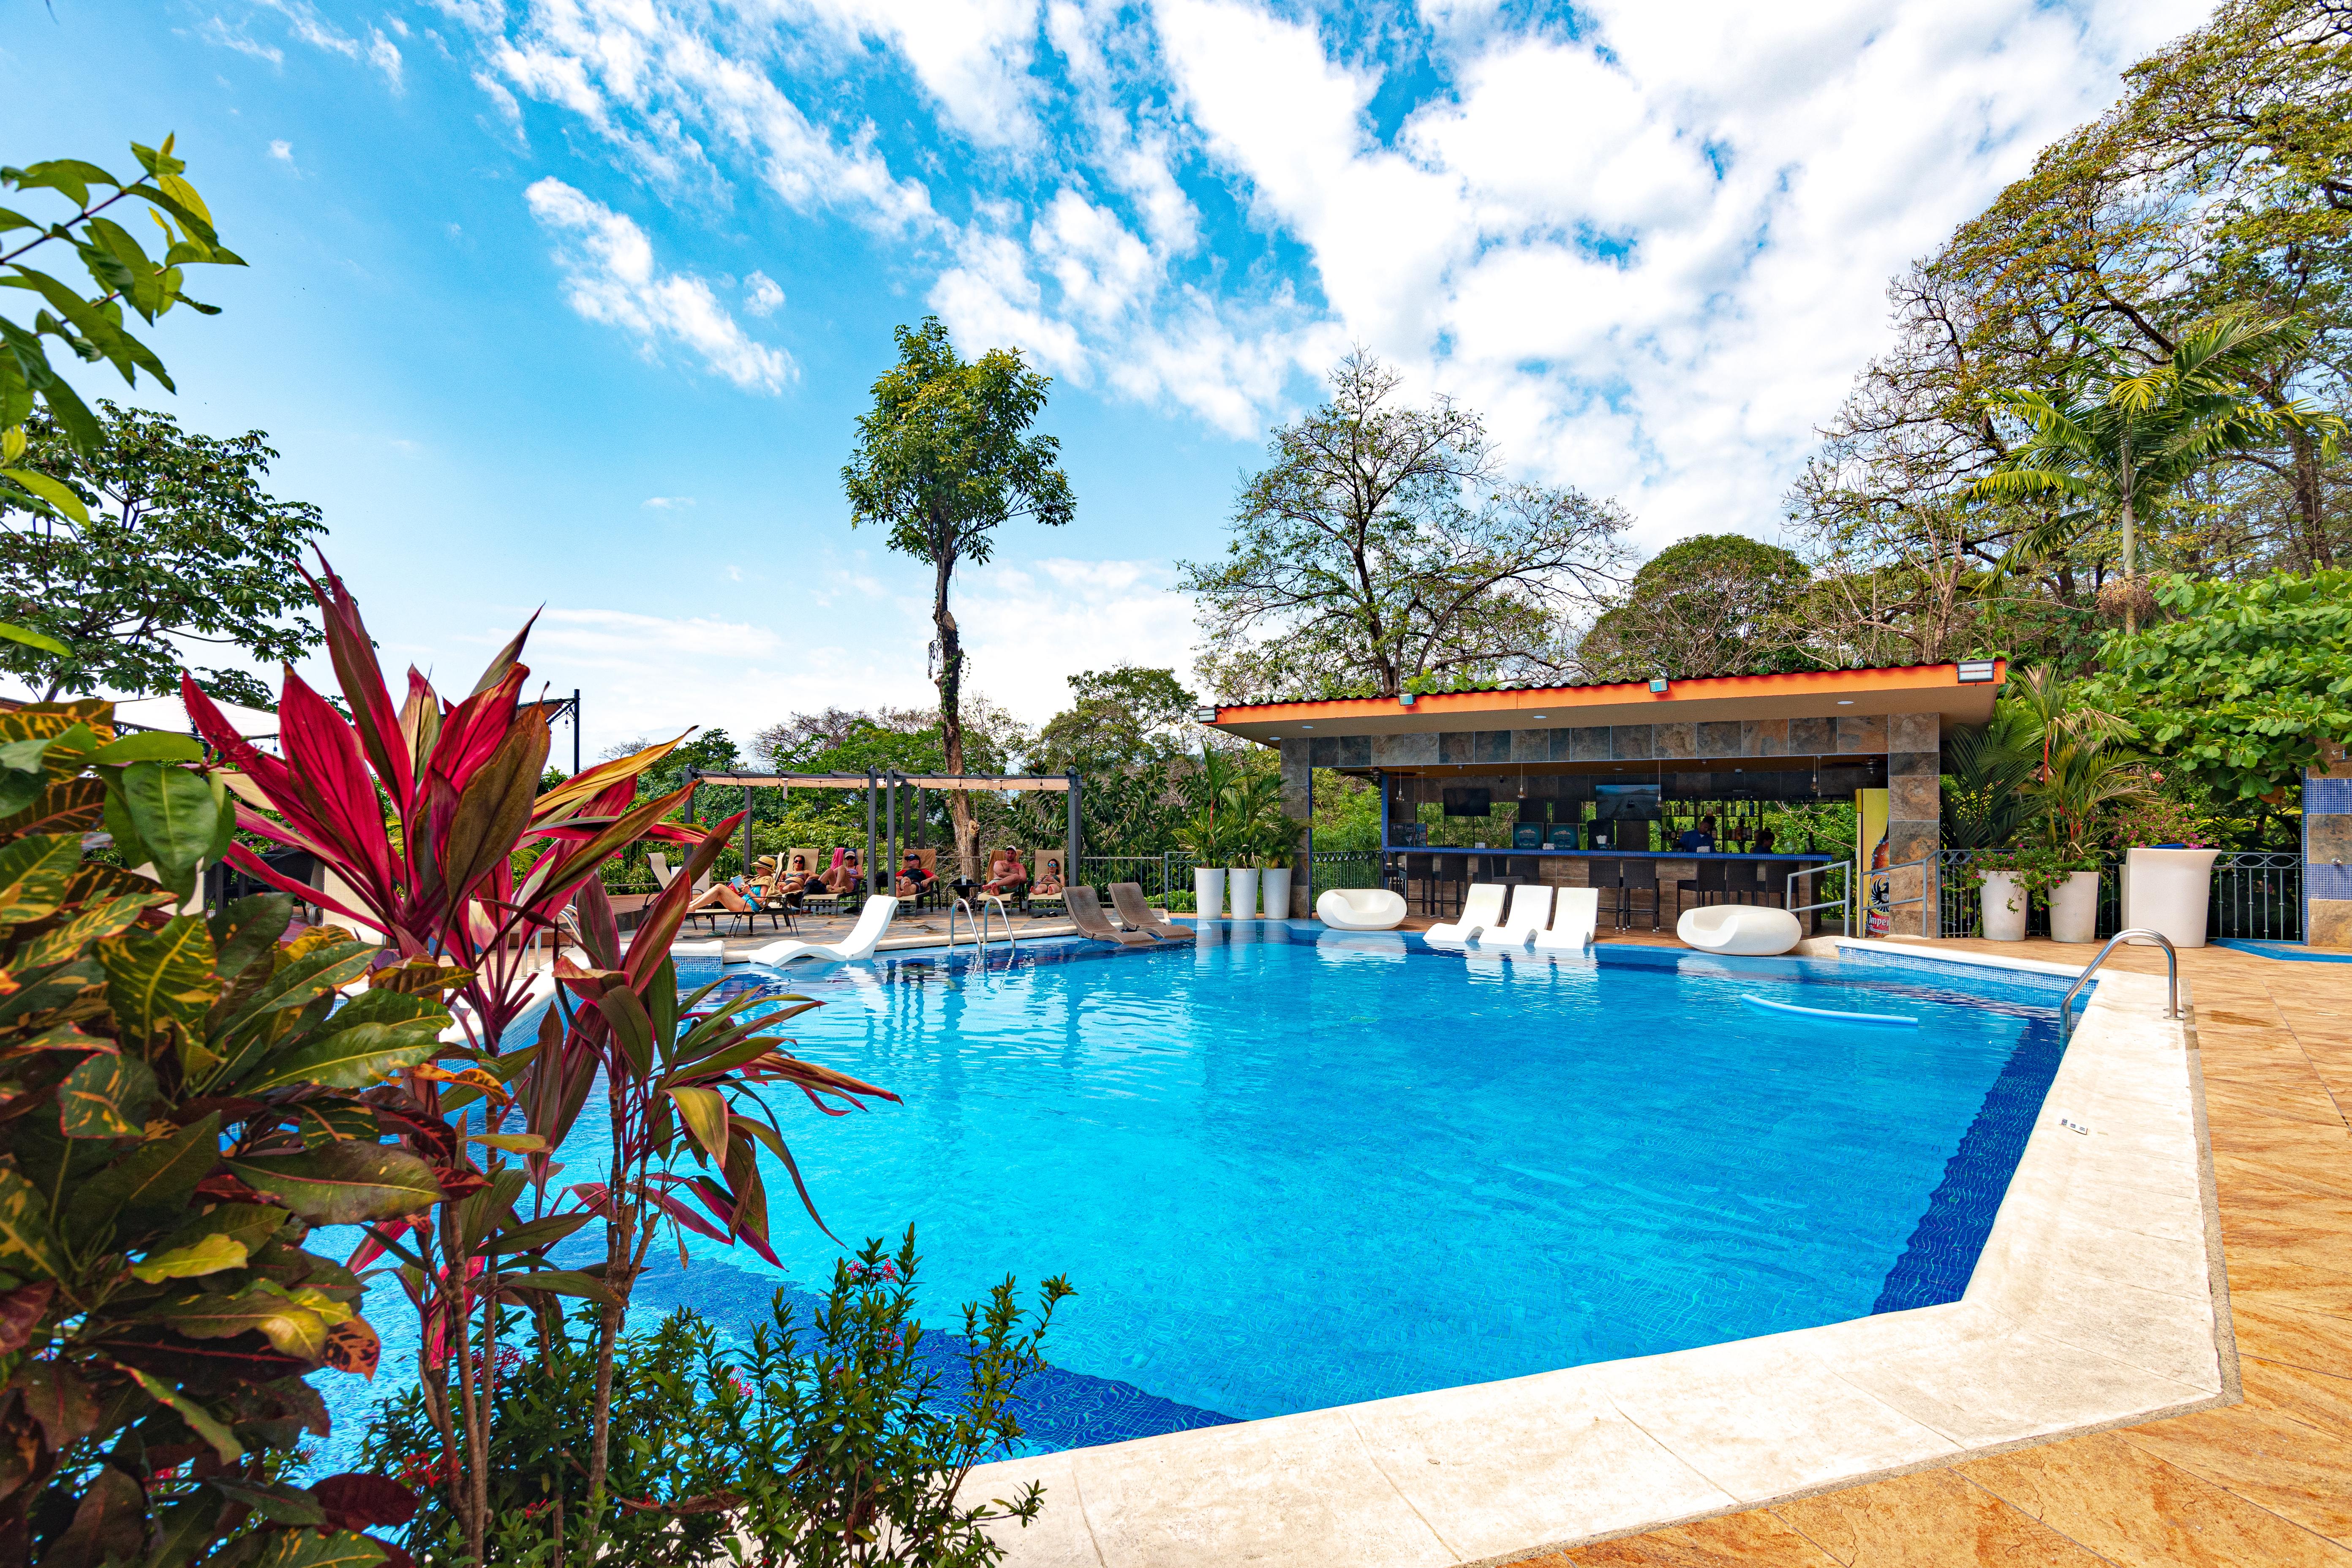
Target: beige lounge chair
(1086, 912)
(1126, 900)
(1037, 874)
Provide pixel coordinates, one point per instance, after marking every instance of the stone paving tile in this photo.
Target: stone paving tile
(2267, 1482)
(2130, 1507)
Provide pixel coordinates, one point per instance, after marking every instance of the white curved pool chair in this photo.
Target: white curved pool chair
(1482, 909)
(1573, 920)
(1360, 909)
(872, 922)
(1748, 930)
(1530, 912)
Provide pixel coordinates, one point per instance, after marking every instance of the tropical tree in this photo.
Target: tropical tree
(1377, 552)
(942, 460)
(2120, 436)
(1717, 603)
(90, 324)
(1986, 771)
(178, 543)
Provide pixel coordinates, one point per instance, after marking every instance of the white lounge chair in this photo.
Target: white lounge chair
(1753, 930)
(1360, 909)
(1573, 919)
(1482, 909)
(872, 922)
(1530, 912)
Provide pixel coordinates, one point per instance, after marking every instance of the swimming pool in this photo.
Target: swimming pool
(1294, 1168)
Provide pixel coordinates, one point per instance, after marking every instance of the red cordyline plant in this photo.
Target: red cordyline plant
(423, 812)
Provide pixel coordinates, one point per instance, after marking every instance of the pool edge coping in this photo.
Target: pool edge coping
(1262, 1489)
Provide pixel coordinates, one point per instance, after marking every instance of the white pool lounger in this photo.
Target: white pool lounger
(1530, 912)
(1481, 910)
(872, 922)
(1574, 918)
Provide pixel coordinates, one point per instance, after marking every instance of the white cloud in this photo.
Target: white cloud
(611, 277)
(667, 504)
(282, 150)
(762, 296)
(1030, 628)
(384, 55)
(212, 30)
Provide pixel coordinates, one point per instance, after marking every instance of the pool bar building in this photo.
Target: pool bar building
(1582, 771)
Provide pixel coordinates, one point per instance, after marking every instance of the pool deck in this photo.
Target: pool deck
(2013, 1426)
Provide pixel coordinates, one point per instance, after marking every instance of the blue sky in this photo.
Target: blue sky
(573, 301)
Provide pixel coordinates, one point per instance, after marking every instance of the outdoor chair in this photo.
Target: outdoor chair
(1127, 901)
(1481, 910)
(1637, 877)
(1713, 883)
(1572, 921)
(860, 943)
(1530, 912)
(1031, 900)
(1087, 914)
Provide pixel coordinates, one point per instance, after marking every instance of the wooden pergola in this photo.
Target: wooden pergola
(882, 802)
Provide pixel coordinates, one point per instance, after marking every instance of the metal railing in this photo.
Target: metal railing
(2171, 978)
(2257, 896)
(1842, 903)
(1342, 868)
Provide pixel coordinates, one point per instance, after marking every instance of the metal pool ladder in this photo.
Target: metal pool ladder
(2171, 978)
(979, 921)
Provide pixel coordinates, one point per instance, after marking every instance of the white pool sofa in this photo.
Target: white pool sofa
(1360, 909)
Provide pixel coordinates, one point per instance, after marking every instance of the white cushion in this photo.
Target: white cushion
(1361, 909)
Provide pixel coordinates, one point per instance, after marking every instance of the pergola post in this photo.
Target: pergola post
(890, 812)
(746, 836)
(869, 833)
(1070, 847)
(1299, 804)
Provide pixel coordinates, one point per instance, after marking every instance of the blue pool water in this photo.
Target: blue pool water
(1295, 1168)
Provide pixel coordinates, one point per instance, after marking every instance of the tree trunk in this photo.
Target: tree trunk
(2131, 571)
(951, 719)
(2309, 502)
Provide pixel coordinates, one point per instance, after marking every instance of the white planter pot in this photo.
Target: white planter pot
(2074, 909)
(1278, 892)
(2167, 890)
(1243, 880)
(2005, 904)
(1208, 891)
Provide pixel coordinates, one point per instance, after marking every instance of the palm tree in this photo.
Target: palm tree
(2119, 439)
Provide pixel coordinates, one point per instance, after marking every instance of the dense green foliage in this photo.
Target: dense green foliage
(181, 545)
(2242, 681)
(184, 1099)
(840, 1441)
(1716, 604)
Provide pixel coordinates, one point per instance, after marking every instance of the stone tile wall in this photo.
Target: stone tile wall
(1632, 742)
(2327, 851)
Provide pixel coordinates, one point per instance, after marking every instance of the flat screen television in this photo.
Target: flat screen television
(1466, 802)
(1625, 802)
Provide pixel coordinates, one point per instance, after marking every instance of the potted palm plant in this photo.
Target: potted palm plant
(2085, 781)
(1207, 834)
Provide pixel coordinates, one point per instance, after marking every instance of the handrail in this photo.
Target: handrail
(1840, 902)
(2171, 976)
(980, 931)
(1003, 914)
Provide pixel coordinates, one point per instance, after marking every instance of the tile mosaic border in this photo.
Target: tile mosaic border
(2099, 1302)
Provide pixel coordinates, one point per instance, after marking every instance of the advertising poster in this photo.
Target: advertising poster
(1870, 852)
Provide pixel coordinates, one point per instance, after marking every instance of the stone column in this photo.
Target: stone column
(1914, 809)
(1298, 802)
(2328, 850)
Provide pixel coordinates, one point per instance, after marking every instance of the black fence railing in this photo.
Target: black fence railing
(2257, 896)
(1343, 869)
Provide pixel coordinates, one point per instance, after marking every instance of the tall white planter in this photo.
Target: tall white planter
(1243, 880)
(1208, 891)
(2075, 908)
(2005, 904)
(1278, 892)
(2167, 890)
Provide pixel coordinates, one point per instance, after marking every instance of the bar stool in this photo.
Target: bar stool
(1607, 878)
(1638, 877)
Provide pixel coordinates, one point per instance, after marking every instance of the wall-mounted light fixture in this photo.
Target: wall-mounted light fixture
(1407, 699)
(1976, 671)
(1658, 684)
(1205, 715)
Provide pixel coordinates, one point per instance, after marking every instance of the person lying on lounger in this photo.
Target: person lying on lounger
(914, 876)
(1049, 882)
(1005, 873)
